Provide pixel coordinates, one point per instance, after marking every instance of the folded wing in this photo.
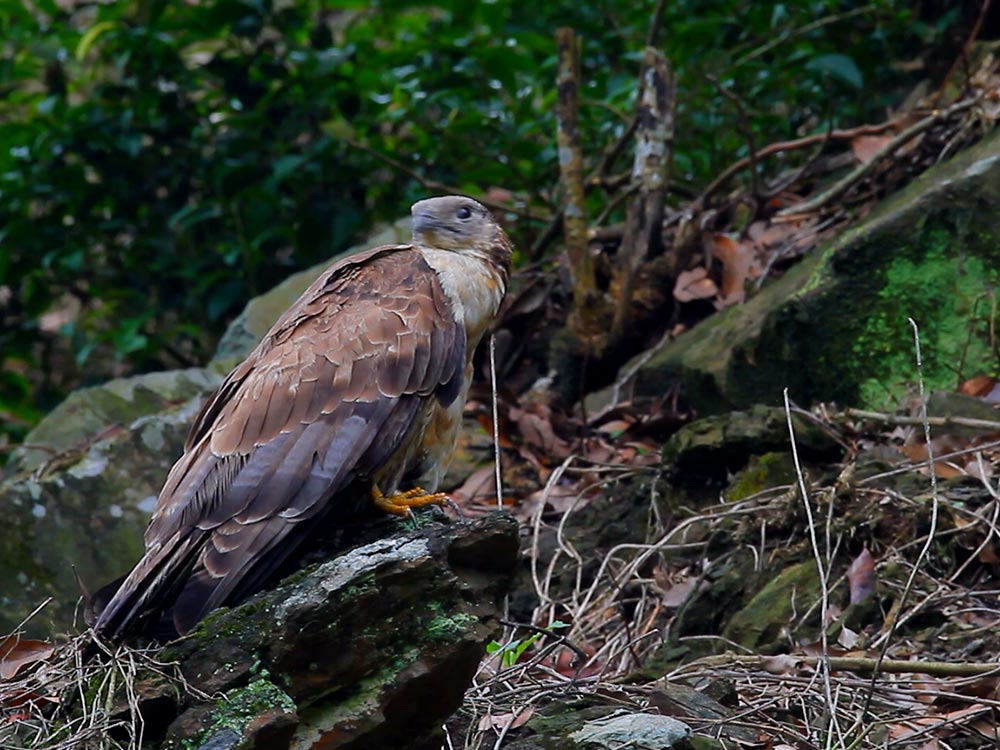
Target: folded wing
(329, 396)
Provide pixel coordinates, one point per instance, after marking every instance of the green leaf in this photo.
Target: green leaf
(90, 36)
(839, 66)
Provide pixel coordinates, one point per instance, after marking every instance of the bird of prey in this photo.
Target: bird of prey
(355, 393)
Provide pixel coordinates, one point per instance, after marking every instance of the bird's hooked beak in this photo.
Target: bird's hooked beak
(426, 223)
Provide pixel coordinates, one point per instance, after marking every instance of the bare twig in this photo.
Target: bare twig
(496, 421)
(821, 568)
(655, 23)
(747, 129)
(793, 145)
(963, 55)
(858, 664)
(897, 419)
(886, 638)
(800, 31)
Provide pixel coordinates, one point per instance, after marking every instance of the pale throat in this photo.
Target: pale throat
(473, 284)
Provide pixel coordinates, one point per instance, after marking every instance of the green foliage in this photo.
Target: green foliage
(511, 651)
(161, 162)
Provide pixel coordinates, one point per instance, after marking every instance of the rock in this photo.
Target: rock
(261, 312)
(684, 702)
(83, 510)
(759, 624)
(720, 445)
(945, 404)
(640, 731)
(374, 648)
(835, 326)
(90, 411)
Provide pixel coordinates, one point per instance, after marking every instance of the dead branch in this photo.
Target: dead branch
(794, 145)
(862, 170)
(896, 419)
(581, 263)
(963, 54)
(857, 664)
(650, 172)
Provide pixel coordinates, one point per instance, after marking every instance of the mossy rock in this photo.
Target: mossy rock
(89, 412)
(83, 511)
(762, 473)
(720, 445)
(835, 327)
(758, 626)
(373, 648)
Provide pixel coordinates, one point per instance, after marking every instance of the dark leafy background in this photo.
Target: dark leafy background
(161, 162)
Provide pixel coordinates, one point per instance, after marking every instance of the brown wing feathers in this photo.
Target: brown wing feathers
(329, 394)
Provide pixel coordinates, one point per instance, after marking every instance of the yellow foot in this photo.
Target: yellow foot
(403, 502)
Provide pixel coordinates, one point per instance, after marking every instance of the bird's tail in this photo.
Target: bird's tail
(132, 605)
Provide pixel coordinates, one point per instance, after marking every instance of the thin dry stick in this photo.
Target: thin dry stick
(434, 185)
(496, 419)
(887, 637)
(895, 419)
(743, 123)
(820, 567)
(928, 464)
(783, 146)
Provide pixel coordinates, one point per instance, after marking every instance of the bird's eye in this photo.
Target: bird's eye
(464, 212)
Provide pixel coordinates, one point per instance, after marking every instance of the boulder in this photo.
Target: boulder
(373, 648)
(91, 412)
(716, 446)
(835, 326)
(84, 510)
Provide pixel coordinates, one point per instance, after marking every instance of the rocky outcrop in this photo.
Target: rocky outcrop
(84, 511)
(374, 648)
(835, 326)
(91, 414)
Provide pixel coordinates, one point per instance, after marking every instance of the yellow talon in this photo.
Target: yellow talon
(402, 503)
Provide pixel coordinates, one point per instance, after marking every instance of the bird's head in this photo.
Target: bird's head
(460, 224)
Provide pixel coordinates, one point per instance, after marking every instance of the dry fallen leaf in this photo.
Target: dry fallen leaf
(861, 577)
(981, 386)
(534, 424)
(500, 722)
(16, 653)
(780, 664)
(694, 284)
(479, 487)
(737, 260)
(867, 147)
(674, 595)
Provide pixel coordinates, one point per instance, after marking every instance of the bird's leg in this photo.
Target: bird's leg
(401, 503)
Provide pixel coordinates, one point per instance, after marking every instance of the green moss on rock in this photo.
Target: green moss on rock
(238, 708)
(762, 473)
(758, 625)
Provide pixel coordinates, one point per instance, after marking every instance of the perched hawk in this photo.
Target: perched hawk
(357, 391)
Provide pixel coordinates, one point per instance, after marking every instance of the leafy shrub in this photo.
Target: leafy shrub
(161, 162)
